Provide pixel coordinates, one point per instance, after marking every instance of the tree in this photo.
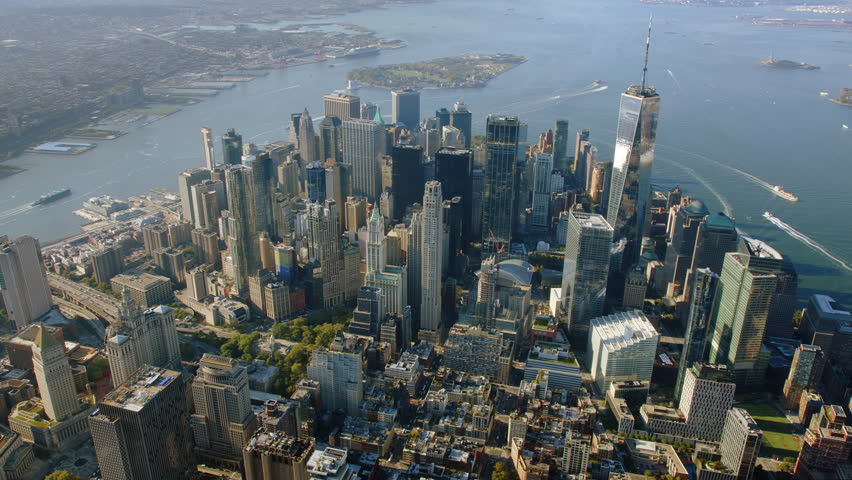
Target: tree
(62, 475)
(96, 368)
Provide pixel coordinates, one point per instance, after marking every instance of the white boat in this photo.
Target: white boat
(845, 127)
(823, 94)
(778, 190)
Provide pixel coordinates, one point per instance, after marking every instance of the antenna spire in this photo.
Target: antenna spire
(647, 49)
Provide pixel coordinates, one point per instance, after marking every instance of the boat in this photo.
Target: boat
(845, 127)
(777, 190)
(361, 51)
(52, 196)
(598, 82)
(823, 94)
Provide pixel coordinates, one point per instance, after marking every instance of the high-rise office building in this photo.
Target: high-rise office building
(232, 147)
(263, 188)
(53, 375)
(364, 141)
(141, 338)
(107, 262)
(805, 373)
(342, 106)
(23, 282)
(453, 168)
(208, 199)
(186, 180)
(339, 371)
(356, 213)
(324, 246)
(414, 262)
(369, 312)
(390, 280)
(316, 182)
(406, 177)
(277, 456)
(499, 209)
(329, 140)
(560, 145)
(697, 323)
(431, 252)
(462, 118)
(716, 236)
(338, 187)
(486, 291)
(630, 187)
(621, 348)
(740, 445)
(405, 107)
(541, 192)
(681, 246)
(207, 147)
(585, 271)
(708, 393)
(745, 295)
(582, 152)
(223, 420)
(828, 325)
(141, 429)
(308, 147)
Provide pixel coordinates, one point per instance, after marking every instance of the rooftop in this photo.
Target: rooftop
(142, 386)
(279, 444)
(591, 220)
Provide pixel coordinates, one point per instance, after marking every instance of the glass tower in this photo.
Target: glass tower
(630, 187)
(501, 154)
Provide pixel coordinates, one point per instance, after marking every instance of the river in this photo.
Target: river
(718, 108)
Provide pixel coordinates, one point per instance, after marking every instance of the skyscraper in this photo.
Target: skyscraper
(462, 118)
(499, 204)
(405, 107)
(329, 140)
(307, 140)
(208, 199)
(207, 146)
(708, 393)
(53, 375)
(186, 180)
(339, 371)
(141, 429)
(560, 145)
(453, 169)
(324, 246)
(695, 338)
(369, 312)
(407, 177)
(390, 280)
(232, 147)
(582, 159)
(635, 141)
(139, 338)
(541, 192)
(485, 299)
(242, 226)
(431, 253)
(745, 295)
(107, 262)
(414, 263)
(585, 271)
(342, 106)
(223, 420)
(23, 282)
(805, 374)
(681, 245)
(740, 445)
(363, 142)
(263, 187)
(316, 182)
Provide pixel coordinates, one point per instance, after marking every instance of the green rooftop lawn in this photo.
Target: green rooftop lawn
(777, 431)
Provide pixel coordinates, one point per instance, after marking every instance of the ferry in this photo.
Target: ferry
(52, 196)
(823, 94)
(777, 190)
(845, 127)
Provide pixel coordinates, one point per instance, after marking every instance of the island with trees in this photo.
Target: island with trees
(468, 70)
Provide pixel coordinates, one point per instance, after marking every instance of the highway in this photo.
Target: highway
(101, 304)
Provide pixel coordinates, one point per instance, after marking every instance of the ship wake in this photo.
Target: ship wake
(805, 239)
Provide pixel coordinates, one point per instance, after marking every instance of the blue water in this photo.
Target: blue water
(718, 106)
